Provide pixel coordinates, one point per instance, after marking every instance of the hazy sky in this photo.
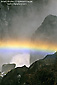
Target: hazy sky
(20, 22)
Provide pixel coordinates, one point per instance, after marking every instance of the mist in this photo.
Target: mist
(21, 59)
(20, 22)
(27, 20)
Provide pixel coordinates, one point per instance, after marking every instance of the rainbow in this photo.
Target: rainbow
(27, 45)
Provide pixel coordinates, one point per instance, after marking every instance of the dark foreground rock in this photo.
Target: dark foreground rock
(39, 73)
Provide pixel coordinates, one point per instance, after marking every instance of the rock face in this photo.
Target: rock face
(47, 60)
(39, 73)
(42, 72)
(8, 67)
(46, 34)
(48, 29)
(50, 59)
(13, 77)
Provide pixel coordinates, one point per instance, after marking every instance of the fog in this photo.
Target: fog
(21, 59)
(20, 22)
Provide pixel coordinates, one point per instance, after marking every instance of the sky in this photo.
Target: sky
(18, 24)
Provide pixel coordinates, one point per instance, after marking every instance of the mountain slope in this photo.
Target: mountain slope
(50, 59)
(42, 72)
(47, 60)
(48, 30)
(13, 77)
(39, 73)
(45, 36)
